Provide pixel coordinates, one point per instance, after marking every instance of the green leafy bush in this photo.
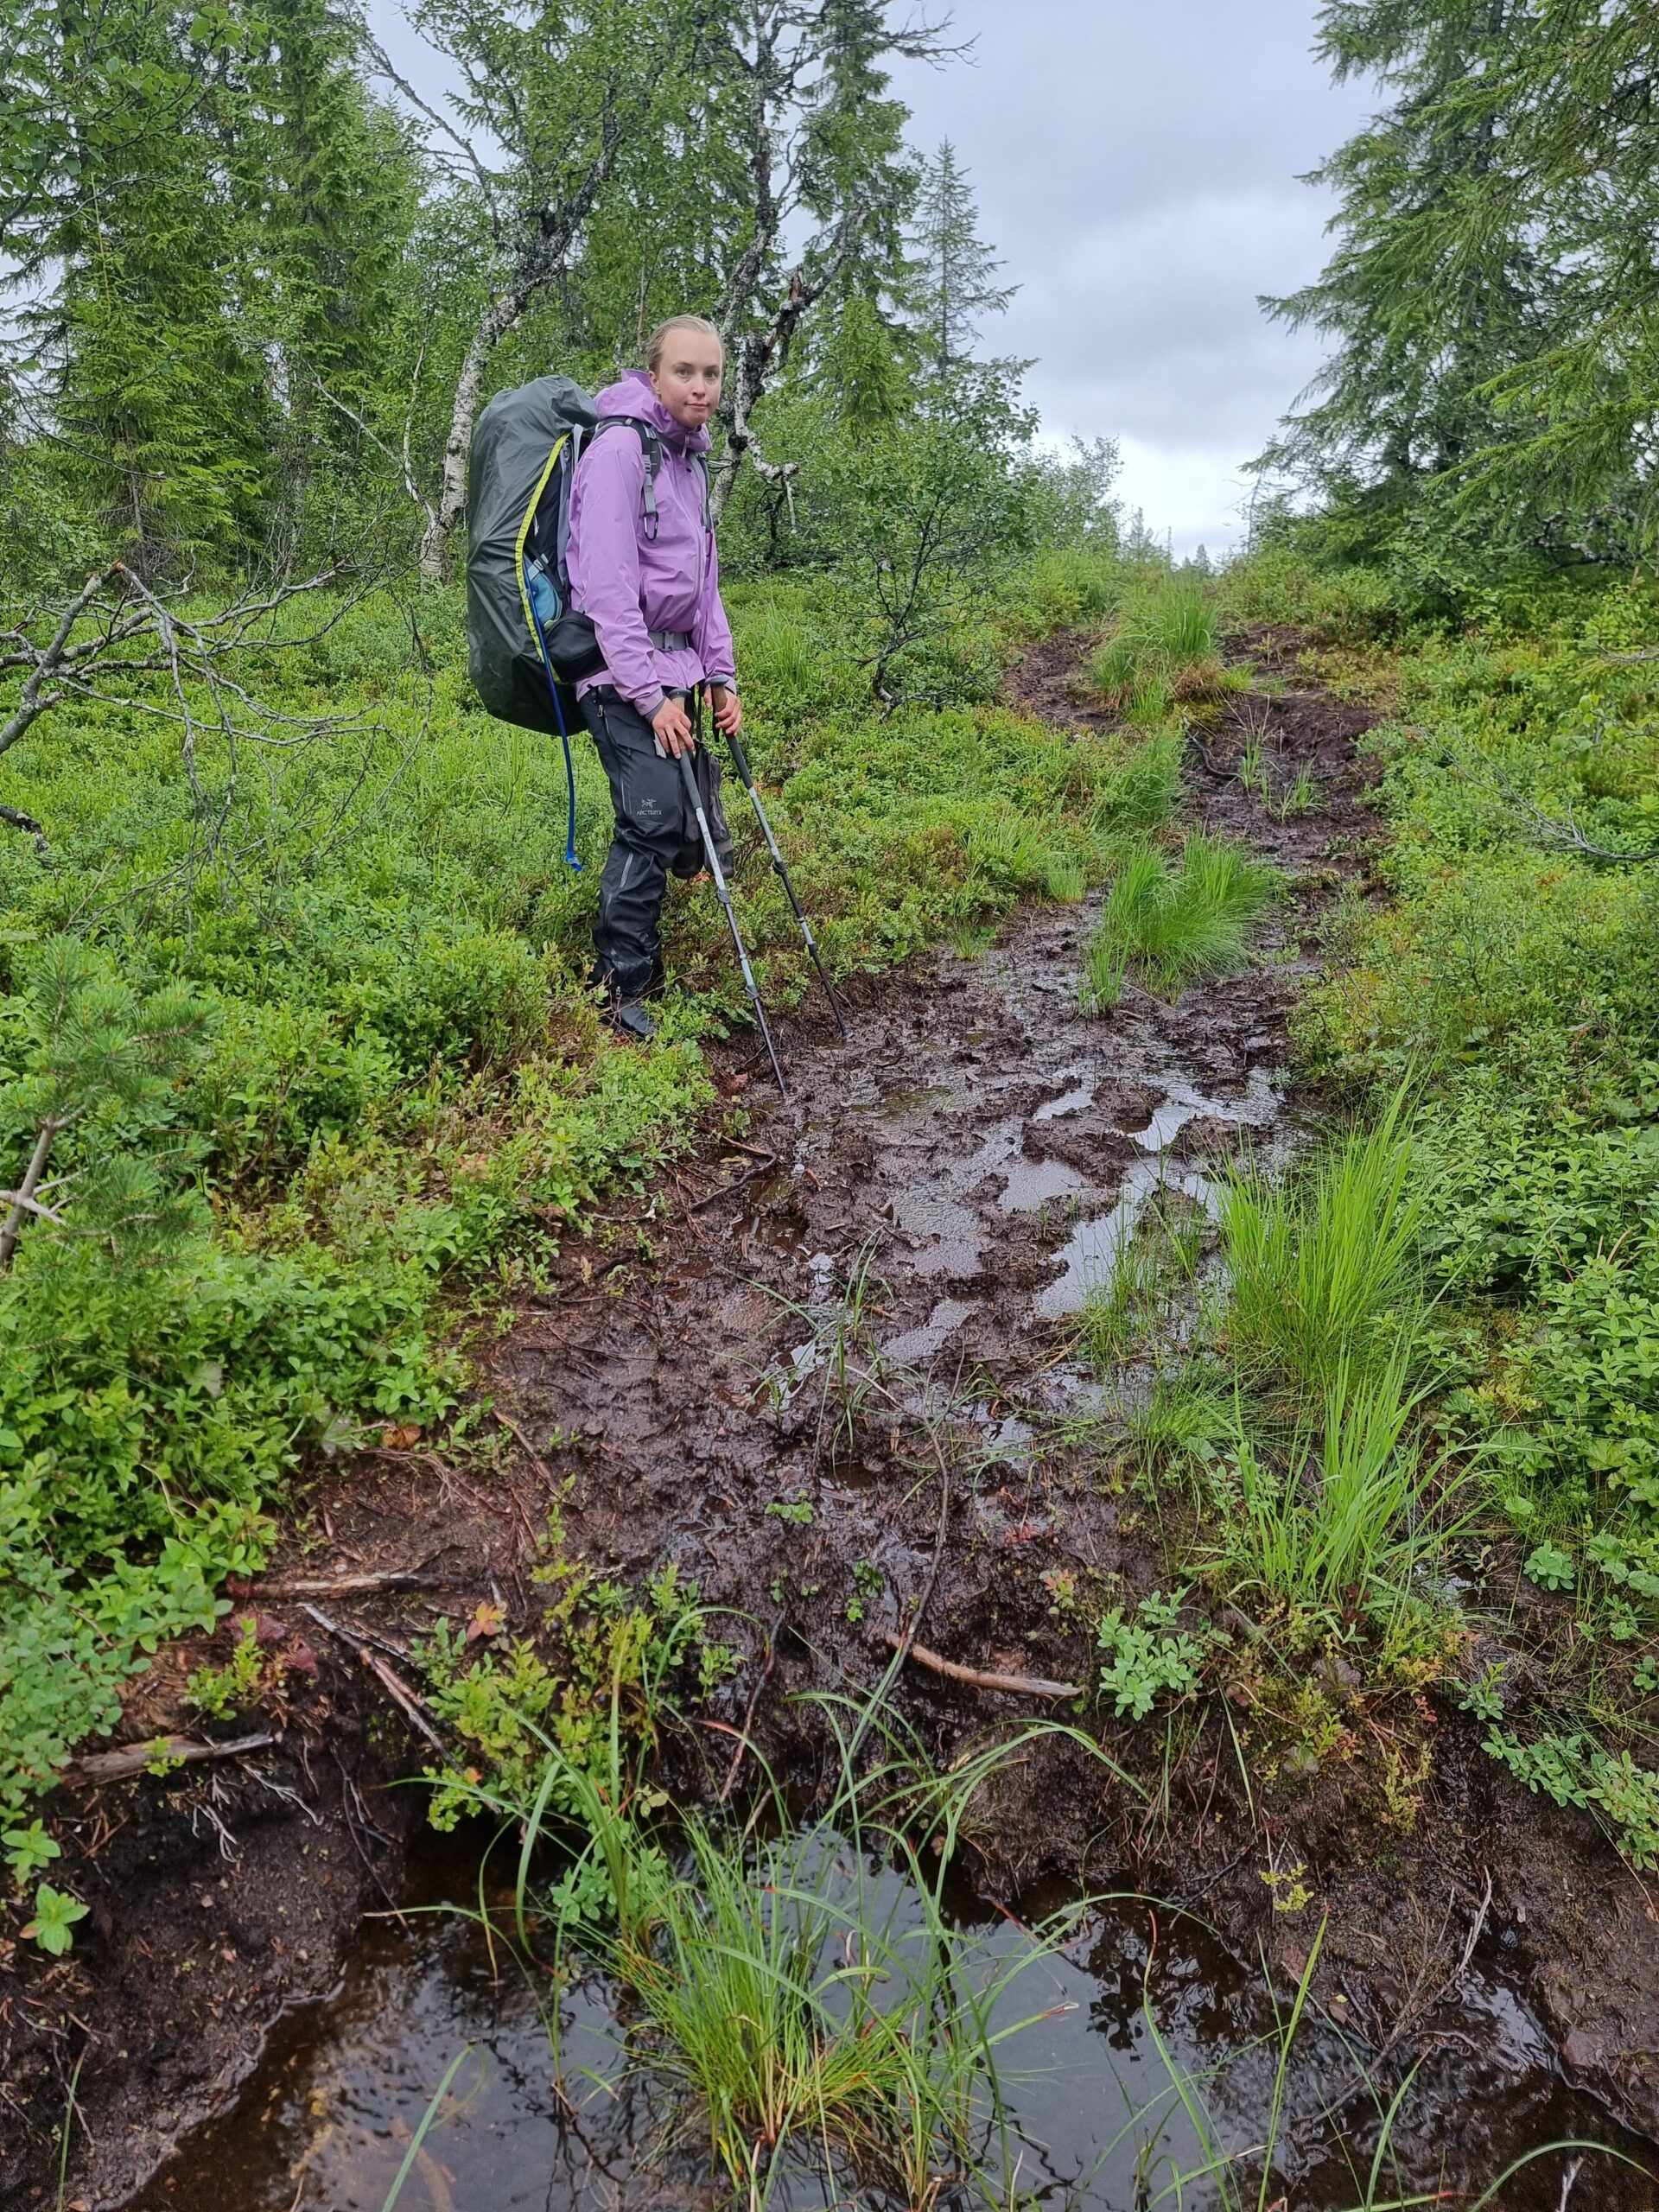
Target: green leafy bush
(1147, 1655)
(388, 1083)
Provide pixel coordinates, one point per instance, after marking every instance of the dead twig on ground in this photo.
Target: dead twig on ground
(737, 1183)
(395, 1687)
(979, 1678)
(128, 1760)
(347, 1585)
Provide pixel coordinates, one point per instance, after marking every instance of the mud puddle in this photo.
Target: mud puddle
(943, 1193)
(327, 2123)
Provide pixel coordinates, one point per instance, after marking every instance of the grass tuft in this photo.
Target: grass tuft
(803, 1994)
(1139, 1306)
(1162, 652)
(1174, 923)
(1145, 792)
(1324, 1268)
(1317, 1530)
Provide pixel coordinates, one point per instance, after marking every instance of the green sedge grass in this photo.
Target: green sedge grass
(1323, 1266)
(801, 1993)
(1172, 924)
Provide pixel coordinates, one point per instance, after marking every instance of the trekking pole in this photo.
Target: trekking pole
(740, 760)
(723, 893)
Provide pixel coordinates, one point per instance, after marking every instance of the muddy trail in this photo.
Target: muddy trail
(928, 1213)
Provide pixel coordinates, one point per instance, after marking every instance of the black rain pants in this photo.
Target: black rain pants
(656, 833)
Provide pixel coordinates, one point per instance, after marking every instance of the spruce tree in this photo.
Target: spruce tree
(1493, 291)
(954, 267)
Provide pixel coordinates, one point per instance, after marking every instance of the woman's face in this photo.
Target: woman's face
(687, 379)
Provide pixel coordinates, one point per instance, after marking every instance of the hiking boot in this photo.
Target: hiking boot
(633, 1020)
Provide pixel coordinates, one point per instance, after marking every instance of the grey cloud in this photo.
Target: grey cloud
(1136, 169)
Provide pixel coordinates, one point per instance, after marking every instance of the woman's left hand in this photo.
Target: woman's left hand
(728, 710)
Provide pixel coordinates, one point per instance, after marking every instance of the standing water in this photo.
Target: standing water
(327, 2121)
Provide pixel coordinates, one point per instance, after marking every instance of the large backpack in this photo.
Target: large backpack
(527, 646)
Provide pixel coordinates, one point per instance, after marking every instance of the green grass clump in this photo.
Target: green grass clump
(1141, 795)
(1174, 923)
(1323, 1266)
(1070, 585)
(807, 2002)
(1336, 1515)
(1161, 653)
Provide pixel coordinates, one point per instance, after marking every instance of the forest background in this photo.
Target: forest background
(302, 1080)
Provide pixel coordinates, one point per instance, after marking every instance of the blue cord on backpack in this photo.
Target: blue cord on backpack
(532, 581)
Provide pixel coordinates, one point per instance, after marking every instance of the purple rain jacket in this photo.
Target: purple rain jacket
(631, 585)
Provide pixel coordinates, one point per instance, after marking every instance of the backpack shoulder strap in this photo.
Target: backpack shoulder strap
(652, 446)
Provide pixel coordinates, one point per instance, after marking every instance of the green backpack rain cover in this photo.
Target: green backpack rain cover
(527, 647)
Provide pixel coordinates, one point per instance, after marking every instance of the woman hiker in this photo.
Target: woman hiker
(644, 568)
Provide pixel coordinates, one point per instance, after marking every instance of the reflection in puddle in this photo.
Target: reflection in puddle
(328, 2119)
(916, 1345)
(1035, 1183)
(1256, 1109)
(1070, 1102)
(1091, 1257)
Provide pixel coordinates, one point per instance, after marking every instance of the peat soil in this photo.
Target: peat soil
(969, 1162)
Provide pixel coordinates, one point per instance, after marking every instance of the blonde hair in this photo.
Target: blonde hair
(664, 331)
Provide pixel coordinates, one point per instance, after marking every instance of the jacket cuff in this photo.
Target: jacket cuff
(651, 706)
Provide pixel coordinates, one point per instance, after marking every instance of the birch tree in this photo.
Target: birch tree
(547, 101)
(822, 148)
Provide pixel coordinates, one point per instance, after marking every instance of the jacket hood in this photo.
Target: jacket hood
(632, 395)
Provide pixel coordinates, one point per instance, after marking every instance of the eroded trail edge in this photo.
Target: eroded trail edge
(934, 1204)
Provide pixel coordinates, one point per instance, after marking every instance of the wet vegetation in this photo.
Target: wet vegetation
(1297, 1403)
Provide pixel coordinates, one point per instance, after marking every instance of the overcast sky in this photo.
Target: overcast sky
(1137, 165)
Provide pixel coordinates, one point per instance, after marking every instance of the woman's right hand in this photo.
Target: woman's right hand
(673, 727)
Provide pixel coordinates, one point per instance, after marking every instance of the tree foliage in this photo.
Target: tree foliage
(1492, 294)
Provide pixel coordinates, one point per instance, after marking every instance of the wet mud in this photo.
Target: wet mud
(935, 1202)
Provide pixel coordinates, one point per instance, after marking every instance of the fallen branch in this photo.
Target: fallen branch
(737, 1183)
(18, 820)
(1562, 834)
(121, 1765)
(976, 1678)
(529, 1451)
(390, 1680)
(344, 1586)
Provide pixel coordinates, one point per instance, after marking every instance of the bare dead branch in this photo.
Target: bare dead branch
(32, 700)
(1561, 834)
(978, 1678)
(129, 1759)
(346, 1586)
(381, 62)
(18, 820)
(401, 461)
(393, 1684)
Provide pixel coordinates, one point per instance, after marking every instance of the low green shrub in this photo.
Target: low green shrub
(1514, 969)
(395, 1085)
